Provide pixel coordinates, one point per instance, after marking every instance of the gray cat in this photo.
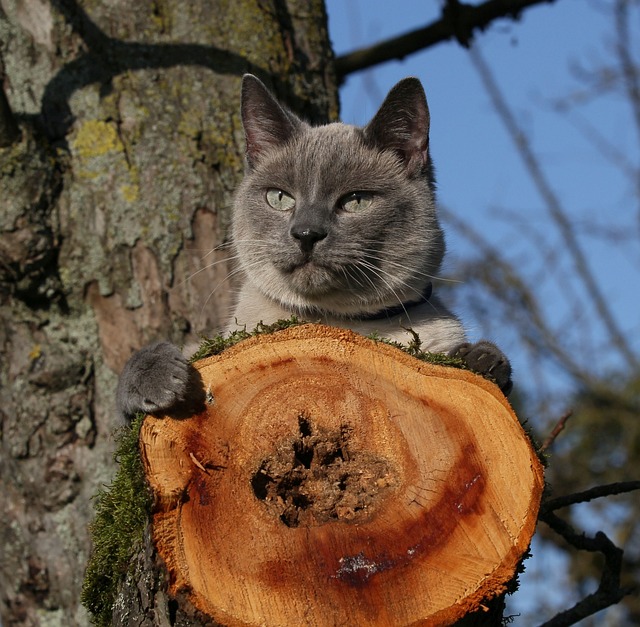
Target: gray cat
(335, 224)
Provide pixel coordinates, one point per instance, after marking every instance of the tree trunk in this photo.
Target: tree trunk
(332, 480)
(113, 200)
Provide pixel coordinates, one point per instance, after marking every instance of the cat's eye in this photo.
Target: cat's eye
(356, 201)
(280, 200)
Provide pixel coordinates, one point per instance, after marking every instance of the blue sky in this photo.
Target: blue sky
(480, 177)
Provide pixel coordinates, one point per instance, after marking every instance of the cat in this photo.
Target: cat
(335, 224)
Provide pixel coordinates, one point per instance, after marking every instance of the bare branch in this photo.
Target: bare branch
(560, 425)
(623, 48)
(611, 489)
(609, 591)
(555, 209)
(459, 21)
(605, 147)
(629, 69)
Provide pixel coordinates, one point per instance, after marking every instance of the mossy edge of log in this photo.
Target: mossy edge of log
(117, 531)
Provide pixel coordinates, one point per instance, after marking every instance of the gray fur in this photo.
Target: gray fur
(320, 260)
(368, 261)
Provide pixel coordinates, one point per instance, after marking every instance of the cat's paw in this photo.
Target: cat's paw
(155, 379)
(487, 359)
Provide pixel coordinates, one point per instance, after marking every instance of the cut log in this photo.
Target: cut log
(334, 480)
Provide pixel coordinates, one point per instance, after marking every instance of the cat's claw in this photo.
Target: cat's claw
(487, 359)
(155, 379)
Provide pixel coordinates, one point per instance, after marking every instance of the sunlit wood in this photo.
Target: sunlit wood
(333, 480)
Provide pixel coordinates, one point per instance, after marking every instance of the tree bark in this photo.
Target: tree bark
(332, 480)
(114, 202)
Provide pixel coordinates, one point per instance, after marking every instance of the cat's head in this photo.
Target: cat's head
(338, 218)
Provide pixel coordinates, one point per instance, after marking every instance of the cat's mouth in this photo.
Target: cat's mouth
(304, 262)
(310, 277)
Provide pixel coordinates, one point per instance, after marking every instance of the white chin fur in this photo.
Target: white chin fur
(338, 302)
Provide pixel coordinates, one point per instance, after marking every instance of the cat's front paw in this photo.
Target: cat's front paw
(487, 359)
(155, 379)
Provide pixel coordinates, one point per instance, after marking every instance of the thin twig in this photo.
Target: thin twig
(627, 63)
(611, 489)
(560, 425)
(624, 49)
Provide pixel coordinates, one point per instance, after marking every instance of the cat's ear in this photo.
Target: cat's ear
(402, 123)
(266, 124)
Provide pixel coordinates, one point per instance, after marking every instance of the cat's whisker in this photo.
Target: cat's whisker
(208, 249)
(350, 275)
(215, 249)
(379, 273)
(207, 267)
(372, 254)
(253, 241)
(373, 269)
(267, 245)
(229, 276)
(352, 272)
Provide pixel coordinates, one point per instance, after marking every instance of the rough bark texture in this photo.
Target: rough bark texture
(143, 599)
(332, 480)
(112, 198)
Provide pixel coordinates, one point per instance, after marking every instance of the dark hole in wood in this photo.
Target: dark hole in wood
(316, 478)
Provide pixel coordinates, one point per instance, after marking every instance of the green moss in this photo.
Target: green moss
(122, 511)
(215, 345)
(414, 348)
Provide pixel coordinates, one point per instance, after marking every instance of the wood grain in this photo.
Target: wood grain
(440, 528)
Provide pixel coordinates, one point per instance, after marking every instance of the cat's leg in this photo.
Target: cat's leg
(157, 378)
(487, 359)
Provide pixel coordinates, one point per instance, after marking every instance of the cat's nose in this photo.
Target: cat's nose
(307, 237)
